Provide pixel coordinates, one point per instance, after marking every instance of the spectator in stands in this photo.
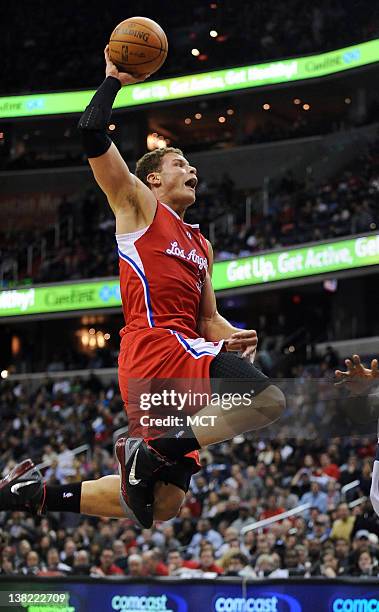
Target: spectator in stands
(54, 566)
(333, 495)
(81, 566)
(350, 472)
(7, 567)
(170, 541)
(272, 508)
(129, 538)
(329, 565)
(244, 517)
(120, 555)
(33, 566)
(177, 566)
(23, 548)
(231, 540)
(148, 539)
(263, 547)
(365, 478)
(315, 497)
(69, 551)
(366, 566)
(153, 564)
(307, 469)
(302, 557)
(321, 529)
(264, 565)
(343, 525)
(342, 548)
(135, 566)
(291, 560)
(204, 532)
(237, 564)
(207, 562)
(107, 566)
(252, 485)
(327, 467)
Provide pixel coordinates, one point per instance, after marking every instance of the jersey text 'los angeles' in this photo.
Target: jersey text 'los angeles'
(162, 272)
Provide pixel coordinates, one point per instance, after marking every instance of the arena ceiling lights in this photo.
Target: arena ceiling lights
(257, 270)
(218, 81)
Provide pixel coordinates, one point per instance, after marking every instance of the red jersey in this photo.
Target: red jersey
(162, 271)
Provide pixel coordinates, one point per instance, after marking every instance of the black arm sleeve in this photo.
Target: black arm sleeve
(93, 123)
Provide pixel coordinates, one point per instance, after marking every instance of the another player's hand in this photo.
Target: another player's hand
(124, 77)
(357, 378)
(245, 340)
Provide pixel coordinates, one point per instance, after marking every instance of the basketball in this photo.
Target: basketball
(138, 45)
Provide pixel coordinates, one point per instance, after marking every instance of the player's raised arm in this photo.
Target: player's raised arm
(125, 192)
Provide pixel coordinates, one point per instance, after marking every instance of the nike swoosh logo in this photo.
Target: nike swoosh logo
(19, 485)
(132, 475)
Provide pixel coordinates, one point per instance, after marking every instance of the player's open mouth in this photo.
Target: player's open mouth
(191, 183)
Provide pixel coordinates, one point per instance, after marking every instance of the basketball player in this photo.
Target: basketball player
(172, 331)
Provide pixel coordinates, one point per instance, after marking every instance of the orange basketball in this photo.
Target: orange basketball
(138, 45)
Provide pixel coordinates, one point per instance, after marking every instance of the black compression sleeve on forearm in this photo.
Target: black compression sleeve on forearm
(94, 121)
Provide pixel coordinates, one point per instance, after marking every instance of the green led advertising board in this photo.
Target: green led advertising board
(218, 81)
(297, 263)
(265, 268)
(60, 298)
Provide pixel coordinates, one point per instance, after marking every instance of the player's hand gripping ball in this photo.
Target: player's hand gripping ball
(138, 46)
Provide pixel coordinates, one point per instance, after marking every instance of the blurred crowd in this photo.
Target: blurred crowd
(64, 43)
(297, 211)
(248, 479)
(302, 211)
(29, 151)
(241, 482)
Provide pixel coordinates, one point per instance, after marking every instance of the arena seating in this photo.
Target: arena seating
(240, 483)
(234, 518)
(298, 212)
(73, 59)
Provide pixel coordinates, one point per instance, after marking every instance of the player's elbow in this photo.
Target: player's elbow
(95, 142)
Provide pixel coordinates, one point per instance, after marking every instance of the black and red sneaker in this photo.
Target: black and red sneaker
(22, 488)
(138, 463)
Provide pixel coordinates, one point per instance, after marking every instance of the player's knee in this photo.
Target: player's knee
(167, 501)
(274, 402)
(279, 400)
(166, 511)
(165, 514)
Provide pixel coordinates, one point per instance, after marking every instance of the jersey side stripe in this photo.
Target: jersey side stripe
(196, 354)
(145, 285)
